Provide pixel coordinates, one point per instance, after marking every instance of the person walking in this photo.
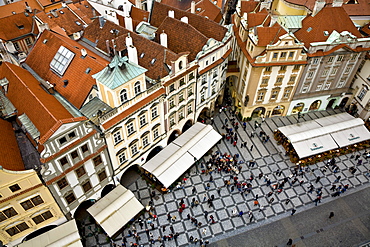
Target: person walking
(293, 211)
(331, 215)
(318, 179)
(251, 148)
(337, 180)
(290, 242)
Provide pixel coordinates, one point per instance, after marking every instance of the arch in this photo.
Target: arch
(130, 175)
(153, 152)
(108, 188)
(38, 232)
(315, 105)
(123, 96)
(298, 108)
(344, 102)
(330, 104)
(81, 214)
(203, 115)
(278, 110)
(137, 87)
(258, 112)
(173, 136)
(187, 125)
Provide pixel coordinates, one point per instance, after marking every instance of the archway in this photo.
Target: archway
(81, 214)
(330, 104)
(343, 102)
(173, 136)
(315, 105)
(38, 232)
(108, 188)
(278, 111)
(298, 108)
(187, 125)
(153, 152)
(130, 175)
(204, 114)
(258, 112)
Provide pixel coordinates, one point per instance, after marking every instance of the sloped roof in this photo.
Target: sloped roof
(259, 18)
(178, 34)
(365, 30)
(84, 10)
(10, 156)
(183, 4)
(328, 19)
(78, 72)
(17, 25)
(207, 27)
(207, 9)
(269, 35)
(248, 6)
(137, 16)
(18, 7)
(42, 108)
(147, 50)
(118, 72)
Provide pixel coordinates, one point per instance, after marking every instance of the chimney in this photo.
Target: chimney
(44, 26)
(184, 19)
(149, 5)
(101, 22)
(319, 4)
(129, 40)
(128, 23)
(127, 8)
(83, 52)
(163, 39)
(171, 13)
(132, 54)
(28, 8)
(337, 3)
(192, 7)
(138, 4)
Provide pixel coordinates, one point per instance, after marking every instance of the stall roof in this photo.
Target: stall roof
(169, 164)
(115, 209)
(65, 235)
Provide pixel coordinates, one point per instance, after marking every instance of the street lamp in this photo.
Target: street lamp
(300, 115)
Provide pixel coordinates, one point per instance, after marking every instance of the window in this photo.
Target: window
(283, 68)
(292, 79)
(122, 158)
(74, 154)
(268, 69)
(70, 198)
(137, 88)
(123, 96)
(84, 148)
(28, 41)
(117, 137)
(333, 71)
(286, 93)
(260, 96)
(102, 175)
(181, 97)
(181, 114)
(340, 58)
(327, 85)
(190, 109)
(182, 82)
(291, 54)
(202, 96)
(191, 76)
(283, 54)
(172, 87)
(341, 83)
(172, 120)
(130, 129)
(318, 87)
(354, 56)
(80, 171)
(275, 55)
(279, 80)
(17, 229)
(330, 59)
(7, 213)
(154, 112)
(142, 120)
(145, 141)
(62, 140)
(190, 91)
(310, 74)
(33, 202)
(62, 183)
(265, 81)
(362, 94)
(304, 89)
(63, 161)
(42, 217)
(86, 186)
(134, 149)
(296, 67)
(325, 73)
(172, 103)
(315, 61)
(348, 69)
(72, 135)
(16, 46)
(14, 188)
(215, 73)
(61, 60)
(274, 94)
(204, 80)
(155, 133)
(97, 160)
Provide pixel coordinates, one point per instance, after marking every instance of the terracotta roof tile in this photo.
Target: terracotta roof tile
(269, 35)
(249, 6)
(365, 30)
(150, 49)
(17, 25)
(10, 156)
(260, 18)
(84, 10)
(328, 19)
(177, 37)
(18, 7)
(207, 27)
(208, 9)
(80, 82)
(42, 108)
(183, 4)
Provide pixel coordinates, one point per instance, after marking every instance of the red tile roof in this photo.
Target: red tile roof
(177, 33)
(207, 27)
(269, 35)
(365, 30)
(84, 10)
(18, 7)
(249, 6)
(183, 4)
(259, 18)
(10, 156)
(328, 19)
(80, 83)
(42, 108)
(208, 9)
(150, 49)
(17, 25)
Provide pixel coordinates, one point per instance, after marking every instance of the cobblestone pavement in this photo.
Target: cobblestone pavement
(269, 158)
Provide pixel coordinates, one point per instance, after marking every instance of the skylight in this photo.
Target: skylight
(153, 60)
(61, 60)
(142, 55)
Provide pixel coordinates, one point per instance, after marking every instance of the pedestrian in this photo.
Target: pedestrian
(293, 211)
(337, 180)
(204, 231)
(172, 230)
(256, 202)
(317, 179)
(241, 213)
(163, 228)
(290, 242)
(331, 215)
(287, 201)
(251, 148)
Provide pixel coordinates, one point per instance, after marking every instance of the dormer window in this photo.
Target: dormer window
(20, 26)
(78, 23)
(61, 60)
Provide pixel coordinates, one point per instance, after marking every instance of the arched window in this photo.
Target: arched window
(137, 88)
(123, 96)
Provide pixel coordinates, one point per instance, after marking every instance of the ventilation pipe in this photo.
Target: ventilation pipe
(132, 54)
(163, 39)
(192, 7)
(128, 23)
(171, 13)
(129, 40)
(184, 19)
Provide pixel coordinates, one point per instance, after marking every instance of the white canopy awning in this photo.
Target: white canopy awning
(115, 209)
(63, 235)
(170, 163)
(323, 134)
